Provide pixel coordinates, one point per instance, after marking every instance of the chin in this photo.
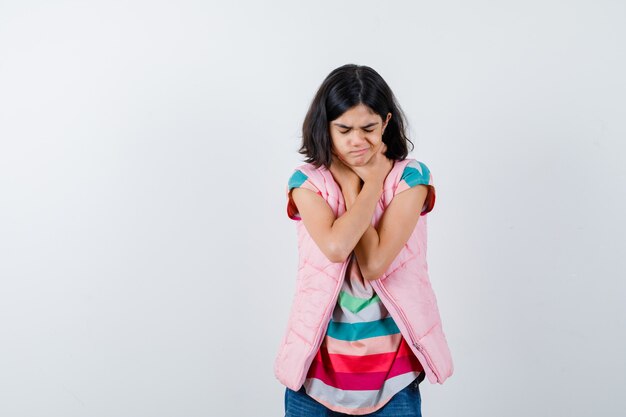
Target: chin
(360, 160)
(358, 163)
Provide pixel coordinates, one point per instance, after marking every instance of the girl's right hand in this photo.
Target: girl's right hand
(377, 168)
(348, 180)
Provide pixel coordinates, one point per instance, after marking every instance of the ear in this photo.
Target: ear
(386, 121)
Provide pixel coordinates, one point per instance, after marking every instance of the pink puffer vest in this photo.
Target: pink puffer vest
(404, 289)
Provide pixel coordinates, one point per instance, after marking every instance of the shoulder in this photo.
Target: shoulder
(302, 175)
(308, 177)
(319, 177)
(415, 173)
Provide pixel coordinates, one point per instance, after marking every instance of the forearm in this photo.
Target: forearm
(379, 246)
(367, 253)
(348, 229)
(368, 244)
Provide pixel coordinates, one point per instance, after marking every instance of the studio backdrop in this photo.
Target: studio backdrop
(147, 263)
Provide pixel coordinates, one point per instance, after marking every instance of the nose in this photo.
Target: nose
(357, 138)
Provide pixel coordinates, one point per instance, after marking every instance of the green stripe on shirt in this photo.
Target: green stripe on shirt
(354, 304)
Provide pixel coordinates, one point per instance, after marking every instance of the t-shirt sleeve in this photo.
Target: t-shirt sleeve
(298, 180)
(417, 173)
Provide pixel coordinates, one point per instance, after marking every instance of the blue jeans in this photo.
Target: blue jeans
(406, 403)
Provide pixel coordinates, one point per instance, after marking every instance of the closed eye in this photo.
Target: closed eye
(343, 132)
(369, 128)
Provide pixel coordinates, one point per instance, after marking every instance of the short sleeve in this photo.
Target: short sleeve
(298, 180)
(417, 173)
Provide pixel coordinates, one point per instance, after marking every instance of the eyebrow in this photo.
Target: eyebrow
(350, 127)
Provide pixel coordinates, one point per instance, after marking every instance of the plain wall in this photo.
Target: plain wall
(147, 263)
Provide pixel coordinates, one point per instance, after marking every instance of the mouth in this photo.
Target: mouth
(359, 152)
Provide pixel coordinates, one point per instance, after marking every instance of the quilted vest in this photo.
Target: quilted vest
(404, 289)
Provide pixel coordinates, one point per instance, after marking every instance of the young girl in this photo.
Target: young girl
(364, 328)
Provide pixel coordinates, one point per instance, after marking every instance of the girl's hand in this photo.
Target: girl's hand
(347, 179)
(377, 168)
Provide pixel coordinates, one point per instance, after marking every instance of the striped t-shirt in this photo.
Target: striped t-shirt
(363, 360)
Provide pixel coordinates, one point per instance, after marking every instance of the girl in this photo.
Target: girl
(364, 328)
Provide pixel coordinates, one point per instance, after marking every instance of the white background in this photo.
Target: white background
(147, 263)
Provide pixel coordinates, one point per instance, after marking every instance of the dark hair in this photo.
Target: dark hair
(344, 88)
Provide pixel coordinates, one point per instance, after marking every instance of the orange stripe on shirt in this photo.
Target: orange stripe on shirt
(369, 346)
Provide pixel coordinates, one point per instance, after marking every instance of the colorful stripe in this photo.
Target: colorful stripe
(373, 362)
(416, 173)
(370, 313)
(357, 331)
(297, 179)
(371, 346)
(355, 304)
(361, 380)
(357, 401)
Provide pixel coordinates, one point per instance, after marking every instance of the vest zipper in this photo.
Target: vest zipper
(412, 337)
(321, 331)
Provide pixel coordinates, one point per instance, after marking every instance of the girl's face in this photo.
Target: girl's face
(357, 134)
